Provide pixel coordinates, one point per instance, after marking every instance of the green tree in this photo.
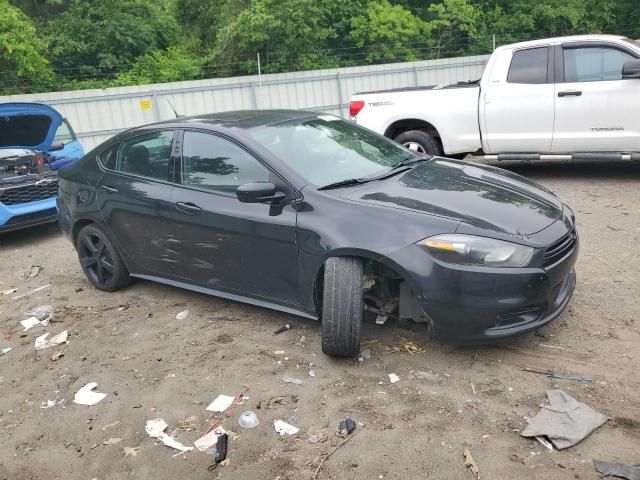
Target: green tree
(452, 25)
(22, 61)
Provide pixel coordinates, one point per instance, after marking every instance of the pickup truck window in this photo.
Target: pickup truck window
(529, 66)
(593, 64)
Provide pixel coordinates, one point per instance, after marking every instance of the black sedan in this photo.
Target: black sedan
(315, 216)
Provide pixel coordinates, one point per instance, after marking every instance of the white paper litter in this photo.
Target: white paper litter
(30, 323)
(279, 352)
(6, 350)
(221, 403)
(51, 403)
(155, 429)
(42, 342)
(284, 428)
(9, 292)
(182, 315)
(296, 381)
(85, 396)
(42, 313)
(393, 378)
(209, 440)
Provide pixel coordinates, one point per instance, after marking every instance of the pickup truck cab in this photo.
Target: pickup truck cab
(566, 98)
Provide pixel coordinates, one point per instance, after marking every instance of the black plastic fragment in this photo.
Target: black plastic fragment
(347, 426)
(221, 447)
(284, 328)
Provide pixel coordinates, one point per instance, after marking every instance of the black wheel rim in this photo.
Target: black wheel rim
(96, 259)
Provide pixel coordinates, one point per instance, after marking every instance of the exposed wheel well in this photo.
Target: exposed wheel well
(79, 225)
(396, 128)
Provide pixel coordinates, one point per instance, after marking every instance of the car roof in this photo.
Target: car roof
(236, 120)
(556, 40)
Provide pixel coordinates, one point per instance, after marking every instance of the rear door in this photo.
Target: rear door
(596, 110)
(518, 104)
(246, 248)
(134, 196)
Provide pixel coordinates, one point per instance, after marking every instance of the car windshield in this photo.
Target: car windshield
(325, 149)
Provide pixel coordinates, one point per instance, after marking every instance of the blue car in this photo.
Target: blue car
(35, 141)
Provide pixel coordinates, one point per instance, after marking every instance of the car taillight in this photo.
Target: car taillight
(355, 106)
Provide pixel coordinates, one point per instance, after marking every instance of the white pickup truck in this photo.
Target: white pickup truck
(560, 98)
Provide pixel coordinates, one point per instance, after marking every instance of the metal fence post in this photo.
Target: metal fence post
(155, 106)
(254, 96)
(415, 76)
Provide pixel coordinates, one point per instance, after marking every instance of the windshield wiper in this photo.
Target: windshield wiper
(409, 161)
(344, 183)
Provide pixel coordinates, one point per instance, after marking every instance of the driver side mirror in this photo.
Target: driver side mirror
(56, 146)
(631, 69)
(259, 192)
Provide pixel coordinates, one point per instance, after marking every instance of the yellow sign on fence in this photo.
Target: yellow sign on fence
(145, 105)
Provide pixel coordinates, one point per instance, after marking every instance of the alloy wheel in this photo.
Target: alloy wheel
(96, 259)
(415, 147)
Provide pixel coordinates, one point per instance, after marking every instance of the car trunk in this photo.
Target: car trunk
(28, 126)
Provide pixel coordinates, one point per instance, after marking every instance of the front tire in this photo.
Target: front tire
(342, 306)
(419, 142)
(100, 260)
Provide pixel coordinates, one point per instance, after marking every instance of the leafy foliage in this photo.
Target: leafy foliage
(65, 44)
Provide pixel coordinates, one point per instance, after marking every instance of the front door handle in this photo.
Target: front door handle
(109, 189)
(570, 93)
(188, 208)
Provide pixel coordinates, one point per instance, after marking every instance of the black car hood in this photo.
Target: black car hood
(485, 197)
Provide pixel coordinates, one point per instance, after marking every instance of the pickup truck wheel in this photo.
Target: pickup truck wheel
(420, 142)
(342, 306)
(100, 259)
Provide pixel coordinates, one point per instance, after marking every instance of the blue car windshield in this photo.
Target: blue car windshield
(325, 149)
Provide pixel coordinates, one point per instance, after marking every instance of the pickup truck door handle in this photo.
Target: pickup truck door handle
(570, 93)
(188, 208)
(109, 189)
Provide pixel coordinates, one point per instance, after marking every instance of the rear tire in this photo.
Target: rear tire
(419, 142)
(100, 260)
(342, 306)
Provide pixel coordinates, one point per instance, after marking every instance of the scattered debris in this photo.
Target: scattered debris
(279, 352)
(31, 322)
(155, 429)
(85, 396)
(617, 470)
(207, 441)
(312, 373)
(347, 426)
(551, 374)
(364, 354)
(57, 355)
(326, 457)
(545, 443)
(565, 421)
(283, 328)
(9, 292)
(281, 400)
(471, 464)
(393, 378)
(33, 272)
(221, 403)
(288, 379)
(6, 350)
(222, 447)
(403, 345)
(182, 315)
(431, 377)
(130, 451)
(51, 403)
(42, 313)
(42, 342)
(112, 441)
(114, 424)
(248, 419)
(31, 292)
(284, 428)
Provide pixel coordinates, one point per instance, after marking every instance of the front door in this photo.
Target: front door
(517, 108)
(596, 110)
(245, 248)
(134, 196)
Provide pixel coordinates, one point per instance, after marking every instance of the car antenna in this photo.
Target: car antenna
(174, 110)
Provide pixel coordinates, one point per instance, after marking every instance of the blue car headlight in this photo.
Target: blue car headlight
(479, 251)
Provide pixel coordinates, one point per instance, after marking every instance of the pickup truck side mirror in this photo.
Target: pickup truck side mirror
(631, 69)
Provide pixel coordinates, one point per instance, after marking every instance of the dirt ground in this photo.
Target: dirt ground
(152, 365)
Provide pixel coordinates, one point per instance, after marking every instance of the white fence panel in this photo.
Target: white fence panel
(96, 115)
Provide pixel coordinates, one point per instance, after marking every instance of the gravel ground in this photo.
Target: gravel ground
(152, 365)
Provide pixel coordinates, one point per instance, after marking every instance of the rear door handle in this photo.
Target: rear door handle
(109, 189)
(570, 93)
(188, 208)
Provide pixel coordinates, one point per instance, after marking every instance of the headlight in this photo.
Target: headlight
(471, 250)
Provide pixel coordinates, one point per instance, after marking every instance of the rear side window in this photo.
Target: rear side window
(108, 157)
(64, 133)
(593, 64)
(529, 66)
(146, 155)
(214, 163)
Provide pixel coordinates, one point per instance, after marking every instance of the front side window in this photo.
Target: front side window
(326, 149)
(593, 64)
(529, 66)
(146, 155)
(64, 133)
(214, 163)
